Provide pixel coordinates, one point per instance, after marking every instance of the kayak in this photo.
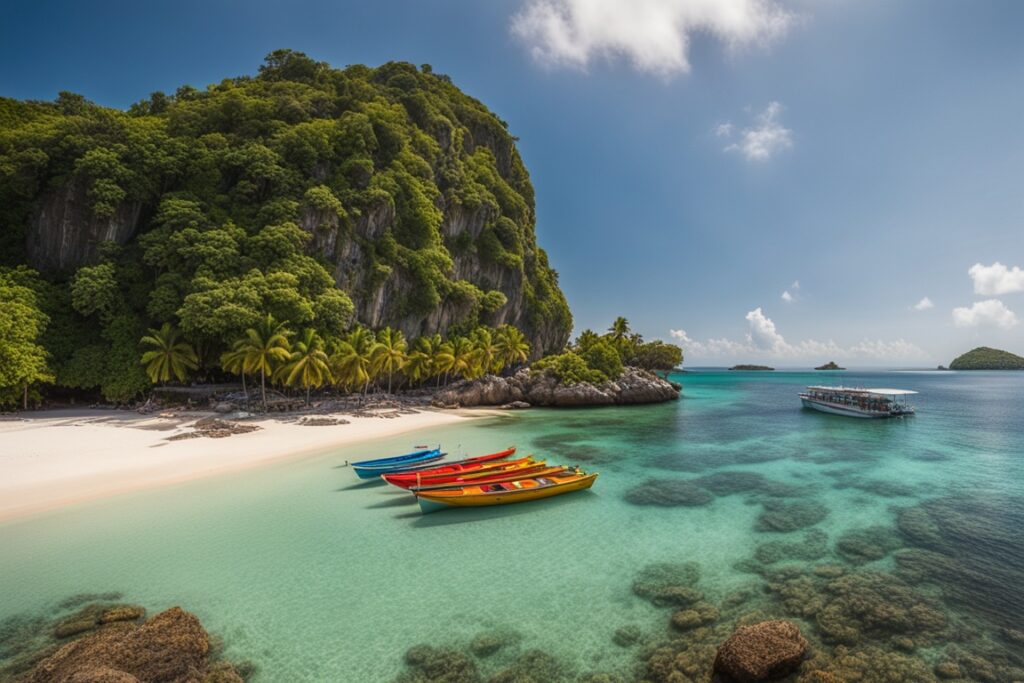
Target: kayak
(453, 469)
(540, 469)
(421, 461)
(397, 459)
(504, 493)
(521, 467)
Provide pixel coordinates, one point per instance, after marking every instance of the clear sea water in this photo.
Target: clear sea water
(314, 576)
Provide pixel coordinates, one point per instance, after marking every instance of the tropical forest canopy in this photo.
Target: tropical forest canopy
(324, 200)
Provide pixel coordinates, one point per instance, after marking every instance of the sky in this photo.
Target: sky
(786, 181)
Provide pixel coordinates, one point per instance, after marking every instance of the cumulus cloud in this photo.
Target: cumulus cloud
(787, 297)
(764, 341)
(764, 139)
(987, 312)
(996, 279)
(653, 35)
(923, 305)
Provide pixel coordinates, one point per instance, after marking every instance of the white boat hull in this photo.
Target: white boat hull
(834, 409)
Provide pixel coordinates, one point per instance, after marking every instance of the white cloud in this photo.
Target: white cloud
(724, 130)
(787, 297)
(987, 312)
(795, 285)
(996, 279)
(654, 35)
(764, 139)
(923, 305)
(764, 341)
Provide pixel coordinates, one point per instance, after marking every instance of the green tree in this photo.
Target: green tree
(233, 361)
(513, 349)
(465, 358)
(488, 354)
(619, 328)
(351, 359)
(658, 356)
(168, 356)
(308, 365)
(23, 360)
(389, 355)
(266, 346)
(585, 340)
(421, 358)
(604, 358)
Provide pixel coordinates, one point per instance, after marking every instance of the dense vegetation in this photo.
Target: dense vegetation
(751, 368)
(598, 358)
(985, 358)
(319, 197)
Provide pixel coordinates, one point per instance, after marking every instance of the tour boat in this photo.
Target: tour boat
(504, 493)
(469, 464)
(858, 402)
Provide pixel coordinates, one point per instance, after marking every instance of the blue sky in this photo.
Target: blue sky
(693, 159)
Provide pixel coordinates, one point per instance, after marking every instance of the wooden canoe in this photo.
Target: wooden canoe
(539, 469)
(504, 493)
(438, 475)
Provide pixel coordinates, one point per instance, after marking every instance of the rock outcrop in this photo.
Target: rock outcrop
(764, 651)
(540, 389)
(172, 646)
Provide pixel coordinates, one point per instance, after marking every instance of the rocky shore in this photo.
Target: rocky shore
(527, 388)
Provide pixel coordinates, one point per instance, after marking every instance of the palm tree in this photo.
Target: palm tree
(444, 360)
(264, 347)
(465, 358)
(619, 328)
(350, 361)
(170, 355)
(389, 353)
(233, 361)
(421, 360)
(513, 349)
(487, 353)
(586, 339)
(307, 365)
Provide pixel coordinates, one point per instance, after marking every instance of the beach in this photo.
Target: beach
(53, 458)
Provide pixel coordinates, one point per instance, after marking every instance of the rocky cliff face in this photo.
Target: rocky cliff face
(633, 387)
(413, 194)
(65, 233)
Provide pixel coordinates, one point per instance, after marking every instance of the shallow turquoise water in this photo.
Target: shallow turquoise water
(314, 576)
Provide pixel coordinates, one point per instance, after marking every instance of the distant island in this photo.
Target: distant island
(751, 367)
(985, 358)
(831, 365)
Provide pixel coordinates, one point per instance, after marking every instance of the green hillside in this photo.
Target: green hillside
(985, 358)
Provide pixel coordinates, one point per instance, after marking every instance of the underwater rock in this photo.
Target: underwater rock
(878, 606)
(867, 544)
(798, 593)
(428, 664)
(627, 635)
(487, 643)
(791, 516)
(684, 660)
(728, 483)
(172, 646)
(83, 598)
(533, 666)
(700, 614)
(829, 571)
(668, 493)
(770, 649)
(668, 583)
(868, 664)
(814, 546)
(877, 487)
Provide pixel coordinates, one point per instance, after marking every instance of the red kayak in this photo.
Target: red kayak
(537, 469)
(480, 462)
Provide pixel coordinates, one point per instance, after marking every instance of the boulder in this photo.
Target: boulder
(763, 651)
(516, 405)
(224, 407)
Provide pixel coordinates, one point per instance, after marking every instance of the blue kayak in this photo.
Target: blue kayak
(371, 469)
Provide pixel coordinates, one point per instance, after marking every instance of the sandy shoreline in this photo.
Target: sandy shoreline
(54, 458)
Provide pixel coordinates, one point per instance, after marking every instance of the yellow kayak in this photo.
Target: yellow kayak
(503, 493)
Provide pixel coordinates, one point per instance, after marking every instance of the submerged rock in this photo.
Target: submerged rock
(668, 583)
(669, 493)
(790, 516)
(428, 664)
(627, 635)
(534, 666)
(868, 544)
(814, 546)
(869, 664)
(770, 649)
(487, 643)
(172, 646)
(700, 614)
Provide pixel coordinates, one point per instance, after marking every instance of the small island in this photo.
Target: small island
(831, 365)
(986, 358)
(751, 368)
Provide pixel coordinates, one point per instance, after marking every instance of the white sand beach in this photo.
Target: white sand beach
(56, 457)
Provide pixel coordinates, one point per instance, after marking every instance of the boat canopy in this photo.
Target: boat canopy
(879, 391)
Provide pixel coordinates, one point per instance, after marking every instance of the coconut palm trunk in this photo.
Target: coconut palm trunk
(263, 387)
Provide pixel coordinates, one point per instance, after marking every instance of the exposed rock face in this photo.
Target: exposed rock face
(66, 234)
(770, 649)
(634, 386)
(172, 646)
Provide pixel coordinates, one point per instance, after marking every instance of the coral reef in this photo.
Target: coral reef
(868, 544)
(790, 516)
(770, 649)
(668, 493)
